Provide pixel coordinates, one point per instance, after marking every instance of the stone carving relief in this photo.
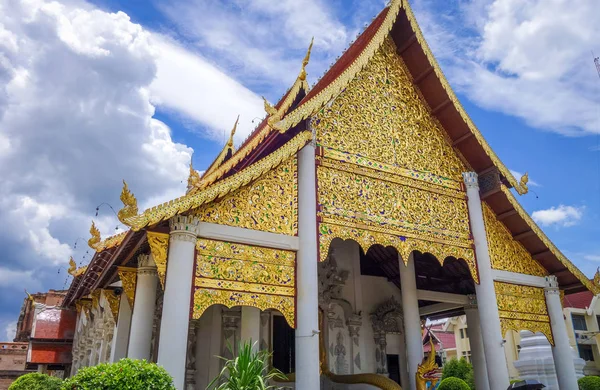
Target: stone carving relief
(386, 319)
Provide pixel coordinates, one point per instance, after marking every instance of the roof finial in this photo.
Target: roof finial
(269, 108)
(95, 239)
(230, 142)
(523, 182)
(72, 266)
(193, 178)
(302, 75)
(597, 277)
(130, 208)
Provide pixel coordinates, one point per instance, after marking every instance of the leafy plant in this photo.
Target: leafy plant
(453, 383)
(248, 371)
(36, 381)
(459, 369)
(126, 374)
(589, 383)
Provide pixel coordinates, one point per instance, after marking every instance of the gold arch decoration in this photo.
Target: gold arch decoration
(268, 204)
(159, 246)
(522, 308)
(365, 237)
(83, 305)
(95, 295)
(113, 303)
(234, 274)
(506, 253)
(128, 276)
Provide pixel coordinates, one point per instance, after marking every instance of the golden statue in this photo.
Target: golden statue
(523, 182)
(72, 266)
(302, 75)
(193, 178)
(130, 208)
(428, 370)
(95, 239)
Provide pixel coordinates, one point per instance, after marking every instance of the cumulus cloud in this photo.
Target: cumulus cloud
(559, 216)
(528, 59)
(592, 257)
(10, 330)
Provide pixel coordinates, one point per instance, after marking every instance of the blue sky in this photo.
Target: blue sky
(95, 92)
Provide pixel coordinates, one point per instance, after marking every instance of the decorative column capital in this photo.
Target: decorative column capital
(470, 179)
(472, 302)
(184, 228)
(551, 287)
(354, 323)
(146, 265)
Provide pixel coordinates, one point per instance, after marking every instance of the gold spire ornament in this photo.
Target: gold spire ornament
(193, 178)
(95, 239)
(230, 141)
(597, 277)
(523, 183)
(72, 266)
(271, 111)
(302, 75)
(130, 208)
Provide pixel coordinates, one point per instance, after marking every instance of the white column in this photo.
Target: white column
(175, 320)
(476, 343)
(561, 352)
(307, 309)
(250, 331)
(412, 319)
(121, 337)
(486, 295)
(140, 337)
(402, 361)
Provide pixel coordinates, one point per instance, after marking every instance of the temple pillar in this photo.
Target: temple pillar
(142, 320)
(561, 352)
(476, 343)
(176, 302)
(491, 333)
(307, 302)
(412, 319)
(120, 339)
(402, 360)
(250, 331)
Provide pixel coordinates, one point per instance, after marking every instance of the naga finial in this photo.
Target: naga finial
(72, 266)
(428, 370)
(193, 178)
(523, 182)
(230, 141)
(95, 239)
(130, 208)
(29, 296)
(597, 277)
(302, 75)
(269, 108)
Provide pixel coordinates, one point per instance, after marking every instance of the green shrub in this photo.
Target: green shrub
(458, 369)
(36, 381)
(126, 374)
(453, 383)
(589, 383)
(247, 371)
(515, 381)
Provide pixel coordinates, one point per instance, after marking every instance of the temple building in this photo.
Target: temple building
(358, 208)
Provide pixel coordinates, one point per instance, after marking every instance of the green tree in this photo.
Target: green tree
(36, 381)
(452, 383)
(126, 374)
(249, 370)
(589, 383)
(459, 369)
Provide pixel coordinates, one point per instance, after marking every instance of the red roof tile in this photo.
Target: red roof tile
(580, 300)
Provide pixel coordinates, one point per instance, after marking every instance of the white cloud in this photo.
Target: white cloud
(10, 330)
(592, 257)
(559, 216)
(518, 175)
(528, 59)
(19, 279)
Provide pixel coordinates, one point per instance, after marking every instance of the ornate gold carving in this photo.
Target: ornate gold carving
(95, 295)
(193, 178)
(506, 253)
(381, 117)
(128, 276)
(522, 308)
(130, 207)
(159, 245)
(113, 303)
(111, 241)
(197, 181)
(523, 183)
(302, 75)
(428, 371)
(555, 251)
(204, 298)
(597, 277)
(83, 305)
(73, 270)
(367, 236)
(221, 188)
(267, 204)
(245, 274)
(410, 206)
(95, 239)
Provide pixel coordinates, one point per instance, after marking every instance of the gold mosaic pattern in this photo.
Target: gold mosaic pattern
(128, 276)
(204, 298)
(409, 206)
(380, 116)
(239, 274)
(111, 242)
(222, 187)
(542, 236)
(113, 302)
(523, 308)
(367, 236)
(506, 253)
(268, 204)
(159, 245)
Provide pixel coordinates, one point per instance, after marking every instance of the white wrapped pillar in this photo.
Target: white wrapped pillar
(142, 320)
(476, 343)
(412, 319)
